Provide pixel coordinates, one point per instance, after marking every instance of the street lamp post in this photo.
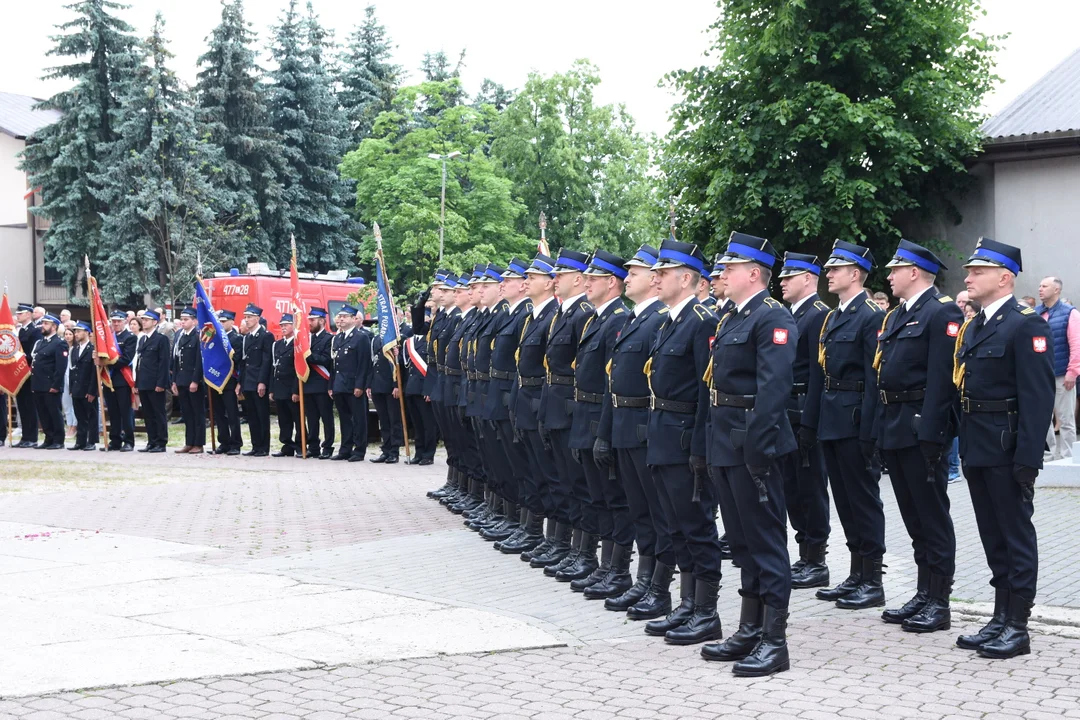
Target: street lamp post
(442, 202)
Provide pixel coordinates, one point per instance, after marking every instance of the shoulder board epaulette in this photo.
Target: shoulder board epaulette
(872, 305)
(618, 311)
(772, 302)
(944, 299)
(585, 306)
(821, 306)
(662, 311)
(704, 313)
(1024, 309)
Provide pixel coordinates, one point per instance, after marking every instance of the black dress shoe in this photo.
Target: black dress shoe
(91, 447)
(54, 446)
(341, 456)
(869, 592)
(232, 451)
(127, 448)
(326, 456)
(148, 448)
(848, 585)
(392, 460)
(76, 447)
(26, 444)
(249, 453)
(1013, 639)
(915, 604)
(356, 458)
(158, 449)
(992, 629)
(680, 614)
(657, 600)
(414, 460)
(221, 450)
(427, 461)
(281, 453)
(260, 453)
(381, 459)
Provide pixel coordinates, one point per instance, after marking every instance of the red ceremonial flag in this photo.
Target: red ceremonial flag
(14, 367)
(302, 339)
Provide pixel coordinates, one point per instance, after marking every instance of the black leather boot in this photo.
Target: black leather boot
(798, 566)
(458, 489)
(518, 533)
(814, 573)
(472, 500)
(560, 547)
(915, 604)
(935, 614)
(618, 580)
(1013, 639)
(704, 623)
(869, 592)
(478, 514)
(849, 584)
(770, 655)
(530, 538)
(680, 614)
(584, 565)
(546, 540)
(571, 557)
(622, 603)
(991, 629)
(745, 639)
(656, 602)
(506, 527)
(725, 548)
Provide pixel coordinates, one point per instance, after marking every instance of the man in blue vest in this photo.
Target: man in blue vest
(1064, 322)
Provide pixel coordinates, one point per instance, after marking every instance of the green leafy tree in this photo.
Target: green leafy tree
(157, 178)
(436, 68)
(304, 113)
(398, 186)
(232, 108)
(64, 155)
(368, 77)
(580, 163)
(826, 119)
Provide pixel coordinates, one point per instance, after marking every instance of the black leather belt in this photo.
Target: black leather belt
(471, 375)
(451, 371)
(438, 367)
(970, 405)
(832, 383)
(500, 374)
(630, 401)
(588, 397)
(800, 389)
(686, 408)
(720, 399)
(902, 396)
(560, 379)
(530, 381)
(483, 376)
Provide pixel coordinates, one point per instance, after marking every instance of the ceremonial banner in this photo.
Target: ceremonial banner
(14, 367)
(105, 344)
(388, 327)
(302, 338)
(216, 350)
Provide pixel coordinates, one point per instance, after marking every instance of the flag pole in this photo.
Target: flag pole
(10, 420)
(393, 319)
(303, 422)
(97, 357)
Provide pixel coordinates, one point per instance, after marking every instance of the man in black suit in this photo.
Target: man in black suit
(351, 351)
(29, 334)
(230, 441)
(317, 397)
(188, 386)
(84, 388)
(118, 399)
(255, 375)
(47, 381)
(151, 379)
(285, 391)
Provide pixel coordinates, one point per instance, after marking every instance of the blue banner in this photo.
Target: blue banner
(216, 351)
(388, 329)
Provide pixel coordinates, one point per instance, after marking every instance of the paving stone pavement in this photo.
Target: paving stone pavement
(371, 527)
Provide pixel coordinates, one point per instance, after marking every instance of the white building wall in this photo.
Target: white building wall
(12, 182)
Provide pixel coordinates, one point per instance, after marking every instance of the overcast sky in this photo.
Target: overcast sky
(504, 41)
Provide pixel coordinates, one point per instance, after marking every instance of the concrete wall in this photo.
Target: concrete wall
(12, 182)
(15, 264)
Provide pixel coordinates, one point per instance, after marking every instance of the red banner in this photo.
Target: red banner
(105, 344)
(302, 339)
(14, 367)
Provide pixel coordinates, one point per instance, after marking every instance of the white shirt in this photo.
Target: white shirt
(537, 309)
(844, 305)
(993, 307)
(678, 308)
(600, 310)
(466, 313)
(910, 302)
(641, 306)
(799, 303)
(517, 302)
(744, 303)
(570, 301)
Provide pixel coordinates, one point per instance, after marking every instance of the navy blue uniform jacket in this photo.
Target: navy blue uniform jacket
(805, 408)
(556, 404)
(506, 330)
(525, 401)
(187, 359)
(627, 427)
(153, 369)
(81, 379)
(590, 371)
(849, 339)
(257, 360)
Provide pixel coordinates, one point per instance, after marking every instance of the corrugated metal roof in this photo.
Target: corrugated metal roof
(18, 117)
(1051, 105)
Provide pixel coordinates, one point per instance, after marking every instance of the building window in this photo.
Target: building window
(53, 278)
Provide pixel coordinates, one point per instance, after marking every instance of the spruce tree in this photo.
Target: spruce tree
(436, 68)
(63, 156)
(164, 210)
(368, 79)
(232, 108)
(303, 111)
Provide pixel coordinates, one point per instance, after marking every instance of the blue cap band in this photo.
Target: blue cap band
(688, 260)
(1005, 260)
(541, 266)
(613, 269)
(920, 262)
(494, 275)
(517, 268)
(570, 262)
(645, 257)
(802, 265)
(752, 252)
(857, 259)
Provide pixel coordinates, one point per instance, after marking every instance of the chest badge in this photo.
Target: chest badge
(1039, 344)
(952, 329)
(779, 336)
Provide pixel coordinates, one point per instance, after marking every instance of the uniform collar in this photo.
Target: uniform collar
(600, 310)
(569, 302)
(678, 307)
(799, 303)
(910, 302)
(744, 303)
(520, 300)
(993, 307)
(644, 304)
(539, 308)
